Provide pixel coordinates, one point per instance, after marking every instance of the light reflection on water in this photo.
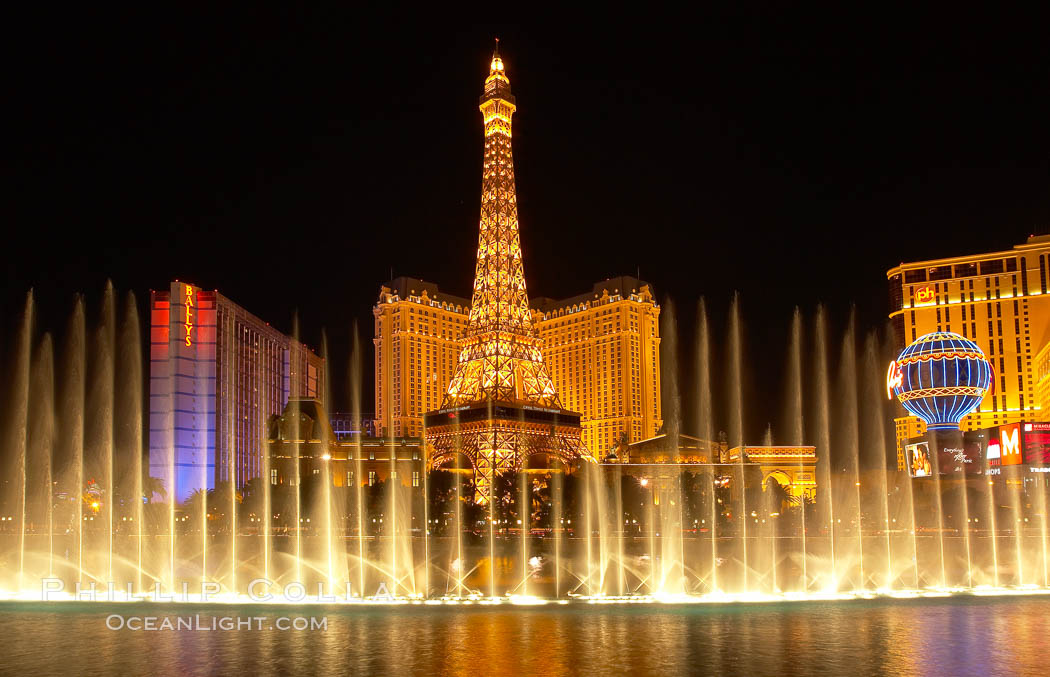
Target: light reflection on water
(956, 636)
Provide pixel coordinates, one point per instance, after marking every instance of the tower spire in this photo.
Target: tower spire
(501, 407)
(501, 356)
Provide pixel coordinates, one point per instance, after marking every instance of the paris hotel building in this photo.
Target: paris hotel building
(999, 300)
(602, 349)
(217, 374)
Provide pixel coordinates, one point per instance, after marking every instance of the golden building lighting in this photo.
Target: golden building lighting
(792, 467)
(602, 350)
(999, 300)
(417, 334)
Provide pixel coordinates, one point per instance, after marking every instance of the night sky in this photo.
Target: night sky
(292, 160)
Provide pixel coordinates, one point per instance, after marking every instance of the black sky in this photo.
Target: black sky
(291, 160)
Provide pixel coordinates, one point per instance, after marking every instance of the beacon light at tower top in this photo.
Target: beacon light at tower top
(940, 378)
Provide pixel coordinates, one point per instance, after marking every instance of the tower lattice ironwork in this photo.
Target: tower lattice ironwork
(501, 405)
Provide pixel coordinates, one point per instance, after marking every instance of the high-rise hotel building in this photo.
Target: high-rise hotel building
(217, 373)
(999, 300)
(603, 352)
(602, 349)
(417, 334)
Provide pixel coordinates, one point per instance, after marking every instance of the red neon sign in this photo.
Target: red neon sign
(894, 378)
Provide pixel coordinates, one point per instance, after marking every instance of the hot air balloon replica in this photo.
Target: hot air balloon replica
(941, 377)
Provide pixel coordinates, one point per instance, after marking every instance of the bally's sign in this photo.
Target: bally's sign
(189, 315)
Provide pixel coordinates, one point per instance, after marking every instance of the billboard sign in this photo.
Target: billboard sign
(956, 452)
(1035, 439)
(919, 459)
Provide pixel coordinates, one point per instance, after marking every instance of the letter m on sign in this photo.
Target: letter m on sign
(1010, 439)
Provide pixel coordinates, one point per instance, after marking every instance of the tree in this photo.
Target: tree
(778, 496)
(441, 499)
(506, 499)
(153, 486)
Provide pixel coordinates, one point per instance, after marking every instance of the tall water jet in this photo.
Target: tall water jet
(398, 523)
(458, 565)
(71, 417)
(355, 412)
(823, 417)
(426, 520)
(906, 512)
(650, 521)
(795, 418)
(1017, 528)
(770, 507)
(205, 477)
(327, 510)
(297, 472)
(40, 440)
(795, 415)
(1044, 532)
(736, 423)
(705, 420)
(602, 524)
(170, 477)
(993, 521)
(106, 351)
(590, 578)
(672, 555)
(228, 362)
(875, 437)
(129, 405)
(1040, 486)
(558, 526)
(491, 500)
(619, 530)
(524, 517)
(20, 397)
(267, 481)
(849, 421)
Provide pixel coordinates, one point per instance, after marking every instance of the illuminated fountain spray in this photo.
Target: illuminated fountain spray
(40, 440)
(671, 522)
(357, 487)
(128, 407)
(20, 428)
(795, 419)
(104, 381)
(599, 532)
(849, 419)
(736, 430)
(823, 439)
(705, 417)
(875, 451)
(71, 416)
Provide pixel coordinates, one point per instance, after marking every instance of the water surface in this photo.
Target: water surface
(954, 636)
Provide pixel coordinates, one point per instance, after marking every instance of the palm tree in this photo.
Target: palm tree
(778, 495)
(153, 486)
(195, 502)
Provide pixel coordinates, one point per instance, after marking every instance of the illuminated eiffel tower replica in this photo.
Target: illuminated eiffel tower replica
(501, 410)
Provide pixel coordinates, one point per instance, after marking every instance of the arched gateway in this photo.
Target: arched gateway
(501, 406)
